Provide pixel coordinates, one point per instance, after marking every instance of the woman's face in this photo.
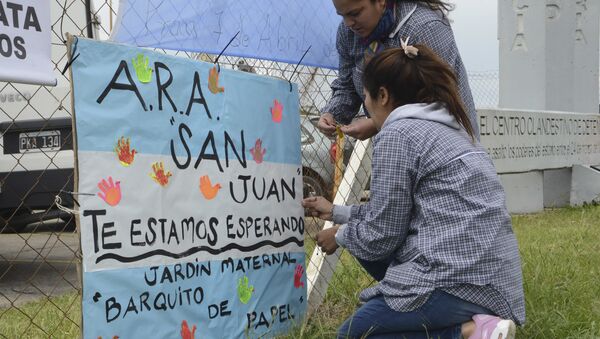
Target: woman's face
(361, 16)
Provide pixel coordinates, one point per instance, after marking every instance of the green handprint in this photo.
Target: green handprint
(143, 72)
(244, 290)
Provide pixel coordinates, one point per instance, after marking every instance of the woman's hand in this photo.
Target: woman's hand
(361, 129)
(318, 207)
(327, 124)
(326, 240)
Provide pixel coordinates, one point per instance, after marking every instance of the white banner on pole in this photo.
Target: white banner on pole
(25, 42)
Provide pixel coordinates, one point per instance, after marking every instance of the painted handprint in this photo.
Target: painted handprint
(258, 153)
(143, 72)
(208, 190)
(185, 331)
(298, 276)
(124, 151)
(110, 191)
(213, 81)
(276, 111)
(244, 290)
(159, 175)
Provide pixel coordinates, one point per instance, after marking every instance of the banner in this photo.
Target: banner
(192, 226)
(25, 42)
(279, 30)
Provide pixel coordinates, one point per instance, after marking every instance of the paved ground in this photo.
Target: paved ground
(40, 262)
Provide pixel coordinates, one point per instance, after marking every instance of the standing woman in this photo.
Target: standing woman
(368, 27)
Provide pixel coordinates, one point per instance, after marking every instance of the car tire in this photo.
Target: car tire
(313, 186)
(13, 221)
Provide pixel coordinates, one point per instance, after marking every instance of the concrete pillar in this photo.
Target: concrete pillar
(524, 191)
(586, 185)
(549, 60)
(557, 187)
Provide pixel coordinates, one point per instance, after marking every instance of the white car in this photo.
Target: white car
(36, 162)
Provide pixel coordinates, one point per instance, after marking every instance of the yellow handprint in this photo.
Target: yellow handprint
(143, 72)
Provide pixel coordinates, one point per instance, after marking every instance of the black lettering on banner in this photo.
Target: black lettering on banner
(229, 143)
(16, 8)
(5, 40)
(162, 87)
(210, 139)
(215, 310)
(31, 19)
(136, 233)
(197, 100)
(105, 231)
(280, 313)
(182, 127)
(114, 85)
(20, 51)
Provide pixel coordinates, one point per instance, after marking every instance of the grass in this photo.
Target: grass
(560, 252)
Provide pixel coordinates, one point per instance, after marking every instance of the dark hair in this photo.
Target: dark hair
(441, 5)
(425, 78)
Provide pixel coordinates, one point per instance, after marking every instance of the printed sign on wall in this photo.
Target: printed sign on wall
(194, 228)
(521, 141)
(25, 42)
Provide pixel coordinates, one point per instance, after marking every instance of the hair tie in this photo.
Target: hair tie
(410, 51)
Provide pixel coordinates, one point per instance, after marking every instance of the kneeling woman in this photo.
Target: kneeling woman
(436, 232)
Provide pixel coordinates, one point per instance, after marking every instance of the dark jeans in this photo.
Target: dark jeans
(440, 317)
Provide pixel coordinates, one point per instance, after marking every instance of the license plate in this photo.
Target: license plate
(39, 141)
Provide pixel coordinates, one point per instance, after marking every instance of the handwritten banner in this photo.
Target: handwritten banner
(521, 141)
(195, 227)
(279, 30)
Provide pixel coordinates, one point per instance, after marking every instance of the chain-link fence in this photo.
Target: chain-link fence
(40, 288)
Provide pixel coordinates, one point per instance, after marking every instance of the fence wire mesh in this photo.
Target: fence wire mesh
(40, 288)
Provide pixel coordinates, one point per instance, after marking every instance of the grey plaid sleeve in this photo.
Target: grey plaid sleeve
(345, 102)
(385, 218)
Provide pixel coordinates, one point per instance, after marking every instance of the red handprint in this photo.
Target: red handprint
(185, 331)
(258, 152)
(159, 175)
(298, 276)
(124, 153)
(276, 111)
(110, 191)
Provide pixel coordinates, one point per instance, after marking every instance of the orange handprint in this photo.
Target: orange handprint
(110, 191)
(208, 190)
(185, 331)
(159, 175)
(123, 151)
(258, 152)
(276, 111)
(213, 81)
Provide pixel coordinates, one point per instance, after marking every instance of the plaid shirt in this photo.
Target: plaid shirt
(425, 26)
(438, 209)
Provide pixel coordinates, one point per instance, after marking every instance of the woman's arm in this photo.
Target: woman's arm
(378, 228)
(345, 101)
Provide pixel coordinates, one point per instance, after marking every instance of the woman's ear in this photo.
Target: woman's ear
(384, 96)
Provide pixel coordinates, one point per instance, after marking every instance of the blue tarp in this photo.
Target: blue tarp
(279, 30)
